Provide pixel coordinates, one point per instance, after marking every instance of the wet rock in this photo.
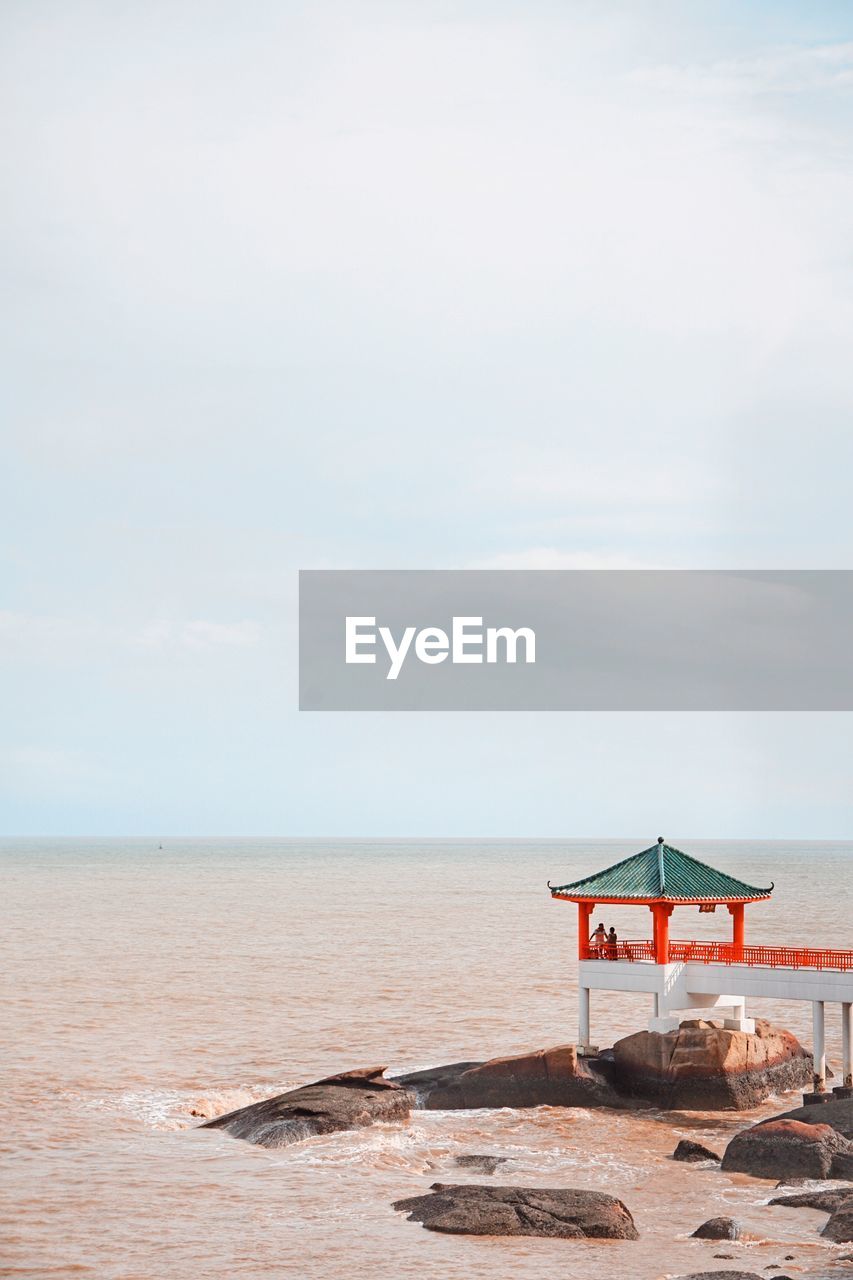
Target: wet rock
(838, 1114)
(722, 1275)
(521, 1211)
(556, 1077)
(483, 1164)
(785, 1148)
(434, 1079)
(351, 1100)
(703, 1067)
(839, 1229)
(718, 1229)
(826, 1201)
(687, 1150)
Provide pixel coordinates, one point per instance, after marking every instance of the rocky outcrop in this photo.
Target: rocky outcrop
(693, 1151)
(785, 1148)
(718, 1229)
(351, 1100)
(703, 1067)
(521, 1211)
(699, 1067)
(556, 1077)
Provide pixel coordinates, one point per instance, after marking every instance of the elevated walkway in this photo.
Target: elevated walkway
(716, 978)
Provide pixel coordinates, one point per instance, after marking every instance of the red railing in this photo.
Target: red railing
(642, 950)
(728, 953)
(772, 957)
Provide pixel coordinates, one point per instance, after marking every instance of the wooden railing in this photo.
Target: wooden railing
(728, 953)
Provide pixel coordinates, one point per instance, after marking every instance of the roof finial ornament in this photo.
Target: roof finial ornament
(660, 839)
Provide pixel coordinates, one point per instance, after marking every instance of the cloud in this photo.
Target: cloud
(552, 558)
(47, 772)
(787, 70)
(201, 634)
(27, 635)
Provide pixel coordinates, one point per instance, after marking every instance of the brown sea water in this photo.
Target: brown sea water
(140, 985)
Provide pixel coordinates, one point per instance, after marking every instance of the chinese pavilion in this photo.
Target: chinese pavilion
(698, 975)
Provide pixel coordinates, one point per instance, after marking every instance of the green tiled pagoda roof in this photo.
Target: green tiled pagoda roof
(661, 872)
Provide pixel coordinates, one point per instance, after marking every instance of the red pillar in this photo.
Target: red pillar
(661, 912)
(736, 910)
(585, 910)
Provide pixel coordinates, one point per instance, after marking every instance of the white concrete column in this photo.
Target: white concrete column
(819, 1039)
(583, 1017)
(847, 1044)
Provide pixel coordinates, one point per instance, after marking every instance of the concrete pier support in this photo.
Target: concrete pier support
(847, 1045)
(583, 1017)
(819, 1038)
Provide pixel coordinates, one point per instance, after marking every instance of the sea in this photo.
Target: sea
(149, 984)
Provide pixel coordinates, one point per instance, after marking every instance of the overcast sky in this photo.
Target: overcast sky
(398, 285)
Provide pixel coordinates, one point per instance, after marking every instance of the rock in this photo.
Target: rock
(718, 1229)
(483, 1164)
(826, 1201)
(423, 1083)
(782, 1148)
(351, 1100)
(839, 1229)
(556, 1077)
(521, 1211)
(687, 1150)
(722, 1275)
(838, 1114)
(701, 1066)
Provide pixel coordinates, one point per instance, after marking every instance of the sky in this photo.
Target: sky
(403, 285)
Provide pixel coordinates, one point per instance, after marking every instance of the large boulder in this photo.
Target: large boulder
(521, 1211)
(704, 1067)
(557, 1077)
(351, 1100)
(838, 1114)
(785, 1148)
